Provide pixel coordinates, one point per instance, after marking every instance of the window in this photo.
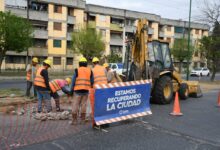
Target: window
(179, 29)
(168, 28)
(57, 26)
(70, 12)
(197, 31)
(69, 61)
(150, 24)
(58, 9)
(38, 6)
(15, 59)
(70, 28)
(57, 43)
(92, 18)
(57, 60)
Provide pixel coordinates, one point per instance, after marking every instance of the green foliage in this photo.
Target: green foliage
(88, 42)
(210, 48)
(114, 58)
(180, 50)
(15, 34)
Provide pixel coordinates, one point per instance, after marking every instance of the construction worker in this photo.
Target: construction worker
(100, 74)
(82, 81)
(112, 76)
(57, 85)
(100, 77)
(41, 83)
(31, 73)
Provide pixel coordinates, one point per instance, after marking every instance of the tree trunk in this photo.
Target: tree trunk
(213, 73)
(1, 59)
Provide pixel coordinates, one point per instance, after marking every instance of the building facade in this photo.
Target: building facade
(54, 22)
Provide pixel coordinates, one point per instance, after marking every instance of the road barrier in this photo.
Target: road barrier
(121, 101)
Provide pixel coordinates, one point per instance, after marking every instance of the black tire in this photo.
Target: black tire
(200, 74)
(158, 95)
(183, 91)
(208, 74)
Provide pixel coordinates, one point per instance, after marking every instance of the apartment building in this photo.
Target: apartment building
(54, 21)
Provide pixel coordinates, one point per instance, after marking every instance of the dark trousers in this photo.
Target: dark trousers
(56, 98)
(28, 90)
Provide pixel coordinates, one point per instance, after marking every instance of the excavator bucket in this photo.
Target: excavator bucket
(194, 89)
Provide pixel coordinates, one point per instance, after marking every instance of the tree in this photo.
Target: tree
(210, 45)
(210, 12)
(180, 51)
(210, 49)
(114, 58)
(88, 42)
(15, 34)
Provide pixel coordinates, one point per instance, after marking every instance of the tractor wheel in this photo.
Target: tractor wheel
(183, 91)
(163, 91)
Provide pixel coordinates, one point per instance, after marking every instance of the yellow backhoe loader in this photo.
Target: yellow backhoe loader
(151, 59)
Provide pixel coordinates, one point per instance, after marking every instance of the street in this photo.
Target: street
(197, 129)
(21, 83)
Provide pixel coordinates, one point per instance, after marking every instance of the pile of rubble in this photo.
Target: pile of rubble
(53, 116)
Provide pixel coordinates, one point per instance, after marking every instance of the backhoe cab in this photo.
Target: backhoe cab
(151, 59)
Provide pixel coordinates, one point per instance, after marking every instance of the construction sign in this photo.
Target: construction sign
(121, 101)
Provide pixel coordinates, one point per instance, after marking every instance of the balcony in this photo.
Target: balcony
(150, 31)
(116, 41)
(130, 29)
(161, 34)
(69, 36)
(92, 24)
(33, 51)
(38, 51)
(40, 34)
(33, 15)
(116, 27)
(181, 35)
(71, 20)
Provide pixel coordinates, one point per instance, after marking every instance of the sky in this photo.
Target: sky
(172, 9)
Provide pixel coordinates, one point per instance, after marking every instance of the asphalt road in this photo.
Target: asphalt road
(21, 84)
(197, 129)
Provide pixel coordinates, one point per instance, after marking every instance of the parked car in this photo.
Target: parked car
(118, 67)
(200, 72)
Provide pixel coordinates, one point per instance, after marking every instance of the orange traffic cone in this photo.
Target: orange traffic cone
(218, 102)
(176, 107)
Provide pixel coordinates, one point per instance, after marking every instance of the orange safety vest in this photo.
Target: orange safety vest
(99, 75)
(39, 79)
(54, 86)
(28, 76)
(83, 79)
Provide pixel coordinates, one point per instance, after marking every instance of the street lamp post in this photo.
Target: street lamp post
(189, 31)
(28, 20)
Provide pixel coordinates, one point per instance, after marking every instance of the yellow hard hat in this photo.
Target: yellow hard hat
(48, 62)
(82, 59)
(68, 80)
(35, 59)
(95, 59)
(105, 65)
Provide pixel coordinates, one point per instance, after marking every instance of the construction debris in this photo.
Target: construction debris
(52, 116)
